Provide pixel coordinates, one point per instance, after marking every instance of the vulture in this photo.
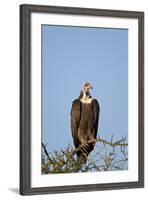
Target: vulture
(84, 122)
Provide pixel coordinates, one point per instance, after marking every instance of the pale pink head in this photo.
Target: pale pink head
(86, 86)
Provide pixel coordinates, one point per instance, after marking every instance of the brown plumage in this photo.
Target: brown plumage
(84, 121)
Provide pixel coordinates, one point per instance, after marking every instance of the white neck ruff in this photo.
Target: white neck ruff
(86, 99)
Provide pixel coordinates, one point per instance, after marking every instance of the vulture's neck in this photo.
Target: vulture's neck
(85, 97)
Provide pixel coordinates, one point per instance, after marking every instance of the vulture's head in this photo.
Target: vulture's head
(86, 86)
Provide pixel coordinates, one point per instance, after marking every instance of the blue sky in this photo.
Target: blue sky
(72, 55)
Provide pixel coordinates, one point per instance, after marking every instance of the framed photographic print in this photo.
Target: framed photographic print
(81, 99)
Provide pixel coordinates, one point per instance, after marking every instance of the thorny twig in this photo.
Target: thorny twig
(106, 158)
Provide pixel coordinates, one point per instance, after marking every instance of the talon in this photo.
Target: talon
(86, 144)
(84, 149)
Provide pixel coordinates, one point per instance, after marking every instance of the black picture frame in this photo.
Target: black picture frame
(25, 98)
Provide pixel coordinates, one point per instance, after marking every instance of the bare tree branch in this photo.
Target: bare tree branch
(120, 142)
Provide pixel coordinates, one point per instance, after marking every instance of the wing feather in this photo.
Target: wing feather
(96, 109)
(75, 120)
